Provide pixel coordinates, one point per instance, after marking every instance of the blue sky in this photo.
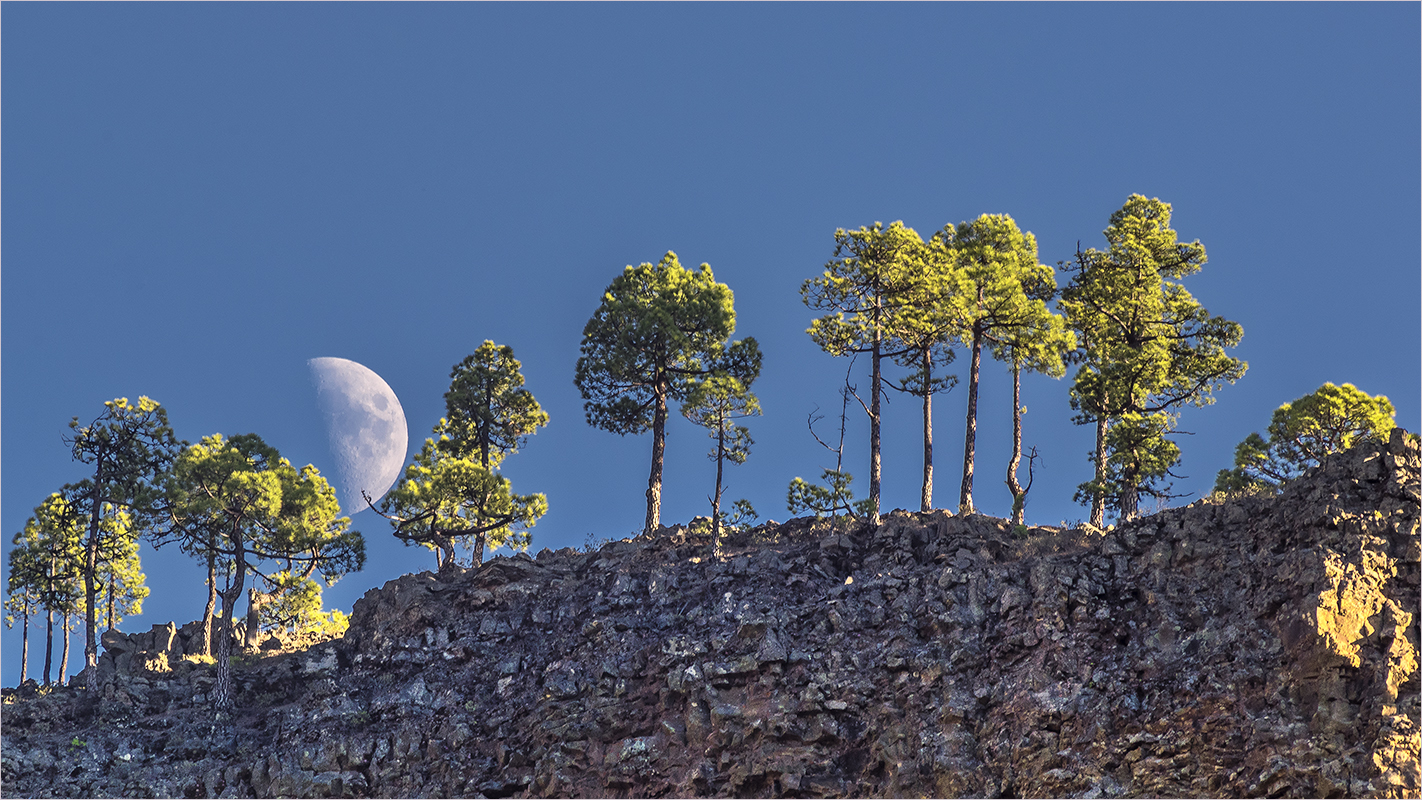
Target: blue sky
(197, 198)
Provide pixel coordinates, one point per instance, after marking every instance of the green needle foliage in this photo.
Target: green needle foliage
(488, 410)
(834, 497)
(238, 502)
(715, 402)
(1041, 344)
(122, 584)
(451, 497)
(925, 328)
(47, 565)
(130, 447)
(1302, 433)
(1147, 348)
(445, 502)
(657, 329)
(873, 289)
(999, 289)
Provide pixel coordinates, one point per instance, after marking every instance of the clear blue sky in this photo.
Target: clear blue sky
(197, 198)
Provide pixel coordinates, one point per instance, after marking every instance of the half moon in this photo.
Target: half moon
(366, 428)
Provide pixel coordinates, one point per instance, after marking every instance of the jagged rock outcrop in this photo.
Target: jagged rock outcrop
(1265, 646)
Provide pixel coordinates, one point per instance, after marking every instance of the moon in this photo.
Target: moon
(366, 428)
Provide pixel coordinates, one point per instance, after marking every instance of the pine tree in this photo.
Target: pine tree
(1329, 420)
(130, 446)
(1039, 345)
(451, 496)
(47, 563)
(444, 502)
(488, 410)
(1148, 348)
(999, 289)
(716, 402)
(925, 329)
(869, 288)
(240, 503)
(657, 328)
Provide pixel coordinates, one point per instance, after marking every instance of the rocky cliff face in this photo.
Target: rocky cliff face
(1262, 647)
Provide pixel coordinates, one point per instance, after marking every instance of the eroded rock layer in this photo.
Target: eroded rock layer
(1261, 647)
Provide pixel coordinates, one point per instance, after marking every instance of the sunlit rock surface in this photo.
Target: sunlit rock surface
(1261, 647)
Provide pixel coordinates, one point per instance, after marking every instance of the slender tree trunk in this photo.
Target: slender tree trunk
(211, 605)
(1130, 491)
(1098, 498)
(25, 647)
(926, 501)
(48, 644)
(1019, 499)
(659, 446)
(477, 556)
(64, 652)
(1130, 501)
(91, 565)
(222, 691)
(484, 431)
(874, 434)
(716, 499)
(970, 439)
(111, 602)
(254, 626)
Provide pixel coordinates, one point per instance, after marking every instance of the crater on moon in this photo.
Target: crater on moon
(366, 428)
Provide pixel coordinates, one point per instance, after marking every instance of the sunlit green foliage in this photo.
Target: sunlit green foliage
(998, 290)
(239, 502)
(488, 412)
(658, 327)
(834, 497)
(451, 496)
(716, 402)
(1329, 420)
(873, 290)
(296, 607)
(130, 446)
(1041, 344)
(444, 502)
(121, 582)
(46, 564)
(1148, 347)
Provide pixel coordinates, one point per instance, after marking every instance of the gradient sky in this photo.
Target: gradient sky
(197, 198)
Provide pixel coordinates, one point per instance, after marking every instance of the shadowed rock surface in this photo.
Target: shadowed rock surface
(1266, 646)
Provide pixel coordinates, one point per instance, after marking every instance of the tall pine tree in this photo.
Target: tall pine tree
(659, 327)
(1147, 349)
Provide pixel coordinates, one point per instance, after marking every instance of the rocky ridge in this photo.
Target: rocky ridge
(1264, 646)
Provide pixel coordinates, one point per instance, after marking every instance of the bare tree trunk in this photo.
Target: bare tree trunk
(484, 434)
(48, 643)
(91, 565)
(970, 439)
(926, 501)
(1098, 498)
(222, 691)
(874, 433)
(659, 446)
(211, 605)
(25, 648)
(254, 623)
(1018, 496)
(1130, 501)
(64, 651)
(111, 602)
(716, 499)
(480, 542)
